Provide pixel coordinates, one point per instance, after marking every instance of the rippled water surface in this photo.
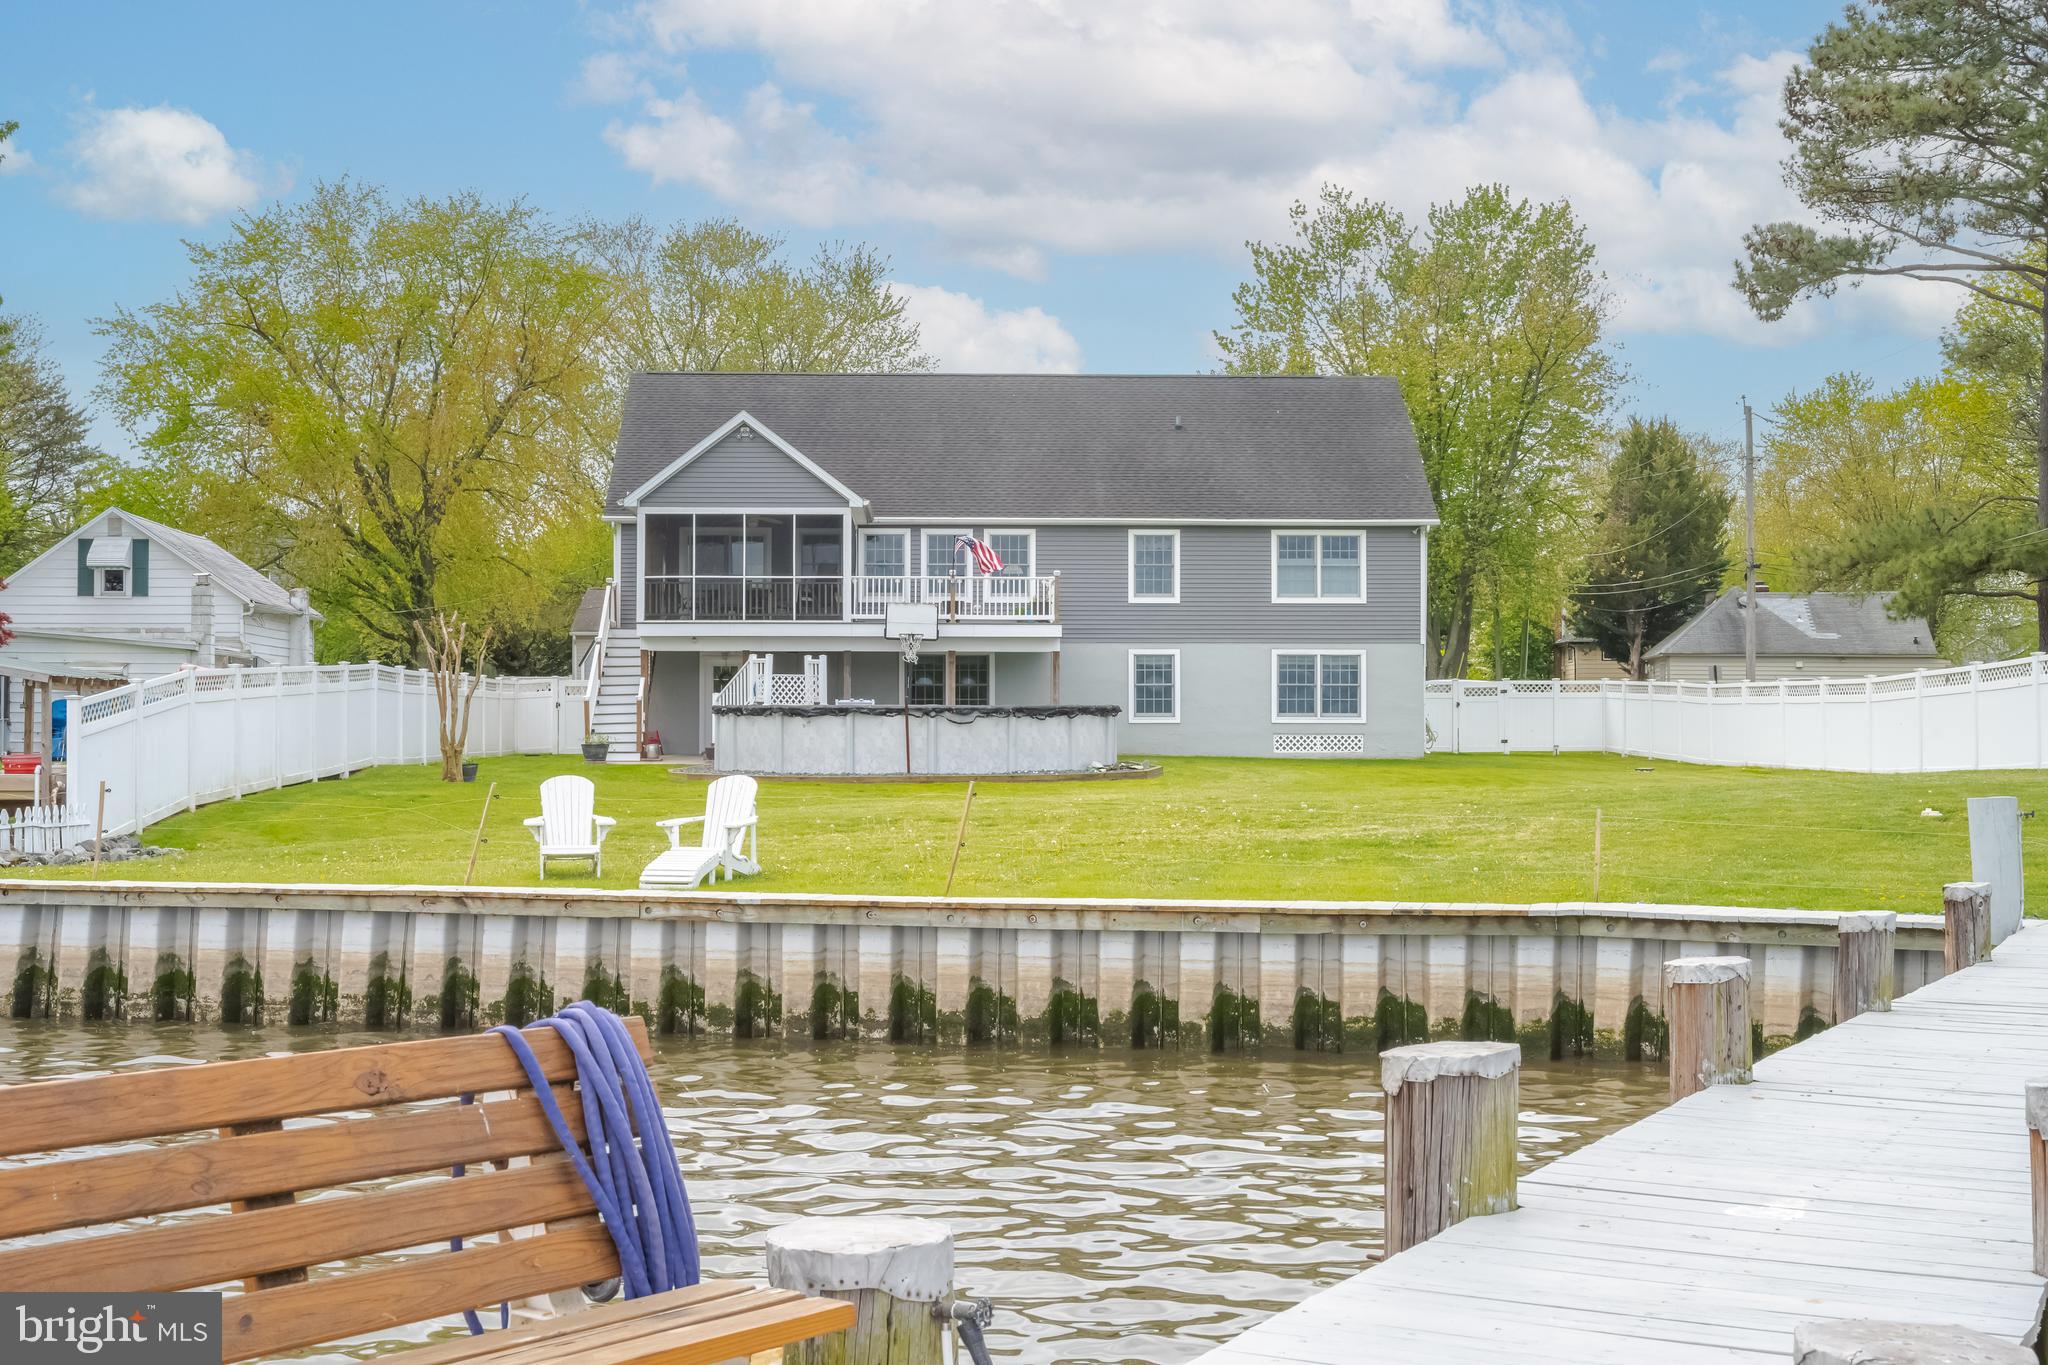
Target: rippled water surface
(1117, 1205)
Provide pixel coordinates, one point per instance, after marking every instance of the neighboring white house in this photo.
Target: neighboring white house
(123, 597)
(1798, 635)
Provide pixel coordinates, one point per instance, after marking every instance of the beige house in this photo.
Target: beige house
(1798, 635)
(1578, 658)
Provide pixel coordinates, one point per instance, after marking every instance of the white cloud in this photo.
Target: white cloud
(160, 162)
(962, 334)
(14, 158)
(1066, 126)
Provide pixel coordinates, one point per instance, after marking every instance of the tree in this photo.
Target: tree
(1490, 317)
(404, 405)
(716, 296)
(45, 447)
(1919, 128)
(458, 670)
(1661, 546)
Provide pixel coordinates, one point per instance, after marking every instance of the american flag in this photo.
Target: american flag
(985, 558)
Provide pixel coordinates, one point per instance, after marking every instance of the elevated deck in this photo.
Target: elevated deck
(1876, 1170)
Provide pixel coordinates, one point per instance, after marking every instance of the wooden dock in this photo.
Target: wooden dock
(1876, 1170)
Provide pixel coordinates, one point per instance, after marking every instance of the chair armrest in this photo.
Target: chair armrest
(675, 827)
(534, 821)
(603, 825)
(536, 826)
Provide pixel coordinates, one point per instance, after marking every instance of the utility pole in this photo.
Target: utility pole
(1749, 541)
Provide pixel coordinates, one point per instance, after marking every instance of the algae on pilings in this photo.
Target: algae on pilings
(835, 1013)
(1318, 1022)
(1810, 1023)
(1486, 1020)
(387, 1001)
(457, 1005)
(1401, 1020)
(682, 1002)
(1070, 1016)
(1233, 1020)
(1571, 1027)
(605, 987)
(757, 1010)
(1155, 1020)
(172, 991)
(991, 1015)
(35, 987)
(241, 993)
(1645, 1034)
(315, 999)
(913, 1012)
(105, 992)
(527, 998)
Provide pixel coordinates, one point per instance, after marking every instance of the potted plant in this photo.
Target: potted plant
(595, 747)
(469, 770)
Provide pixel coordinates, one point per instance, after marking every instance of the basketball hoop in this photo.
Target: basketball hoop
(910, 643)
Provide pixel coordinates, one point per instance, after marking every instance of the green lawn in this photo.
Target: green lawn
(1448, 828)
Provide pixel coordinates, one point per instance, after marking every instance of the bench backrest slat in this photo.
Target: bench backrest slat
(195, 1252)
(106, 1189)
(235, 1143)
(337, 1306)
(51, 1115)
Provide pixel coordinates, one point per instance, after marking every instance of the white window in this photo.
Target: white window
(1155, 686)
(1155, 566)
(112, 582)
(945, 556)
(1318, 566)
(1017, 550)
(884, 554)
(1318, 685)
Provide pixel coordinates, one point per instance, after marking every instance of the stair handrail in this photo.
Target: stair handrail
(597, 648)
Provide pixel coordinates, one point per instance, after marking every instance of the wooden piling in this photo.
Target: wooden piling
(1862, 1342)
(892, 1270)
(1708, 1010)
(1966, 924)
(1450, 1135)
(2037, 1162)
(1863, 963)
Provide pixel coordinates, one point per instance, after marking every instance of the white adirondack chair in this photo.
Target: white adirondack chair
(727, 838)
(568, 825)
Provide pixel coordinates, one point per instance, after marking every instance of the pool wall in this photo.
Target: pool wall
(1564, 979)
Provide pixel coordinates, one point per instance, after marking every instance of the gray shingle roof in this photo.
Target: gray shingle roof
(208, 558)
(1836, 624)
(589, 611)
(1003, 446)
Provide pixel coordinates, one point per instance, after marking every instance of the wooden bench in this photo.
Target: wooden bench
(242, 1156)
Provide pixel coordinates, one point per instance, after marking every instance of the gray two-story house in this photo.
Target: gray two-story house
(1238, 563)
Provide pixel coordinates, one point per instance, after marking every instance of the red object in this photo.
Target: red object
(21, 763)
(984, 554)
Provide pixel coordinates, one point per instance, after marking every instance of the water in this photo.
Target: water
(1118, 1206)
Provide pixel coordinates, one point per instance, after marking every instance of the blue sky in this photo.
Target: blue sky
(1059, 184)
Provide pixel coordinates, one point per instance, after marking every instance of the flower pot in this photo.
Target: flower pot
(469, 772)
(594, 753)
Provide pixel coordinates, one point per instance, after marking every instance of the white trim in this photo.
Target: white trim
(1321, 598)
(732, 424)
(1317, 652)
(1131, 687)
(99, 580)
(1338, 523)
(1131, 594)
(1023, 580)
(860, 560)
(1423, 597)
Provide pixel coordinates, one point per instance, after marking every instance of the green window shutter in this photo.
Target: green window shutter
(84, 573)
(138, 567)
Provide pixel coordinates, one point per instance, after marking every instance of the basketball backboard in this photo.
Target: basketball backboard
(911, 618)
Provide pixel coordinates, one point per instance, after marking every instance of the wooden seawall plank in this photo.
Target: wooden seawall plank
(1876, 1170)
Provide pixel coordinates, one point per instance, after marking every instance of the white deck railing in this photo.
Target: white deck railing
(958, 598)
(758, 684)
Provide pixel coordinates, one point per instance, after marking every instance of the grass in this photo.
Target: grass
(1462, 827)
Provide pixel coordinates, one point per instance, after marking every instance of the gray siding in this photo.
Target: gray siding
(1226, 590)
(743, 471)
(629, 574)
(673, 705)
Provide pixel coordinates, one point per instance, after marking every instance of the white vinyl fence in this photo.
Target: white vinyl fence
(206, 734)
(44, 829)
(1936, 720)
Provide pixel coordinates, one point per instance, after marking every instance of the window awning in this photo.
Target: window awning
(109, 552)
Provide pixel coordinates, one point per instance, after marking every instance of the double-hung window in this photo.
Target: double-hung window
(924, 682)
(884, 554)
(1155, 686)
(1322, 685)
(1154, 566)
(1018, 550)
(1318, 566)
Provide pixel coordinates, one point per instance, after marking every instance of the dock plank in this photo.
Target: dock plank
(1876, 1170)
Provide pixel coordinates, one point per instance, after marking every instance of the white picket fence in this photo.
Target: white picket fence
(207, 734)
(1977, 716)
(44, 829)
